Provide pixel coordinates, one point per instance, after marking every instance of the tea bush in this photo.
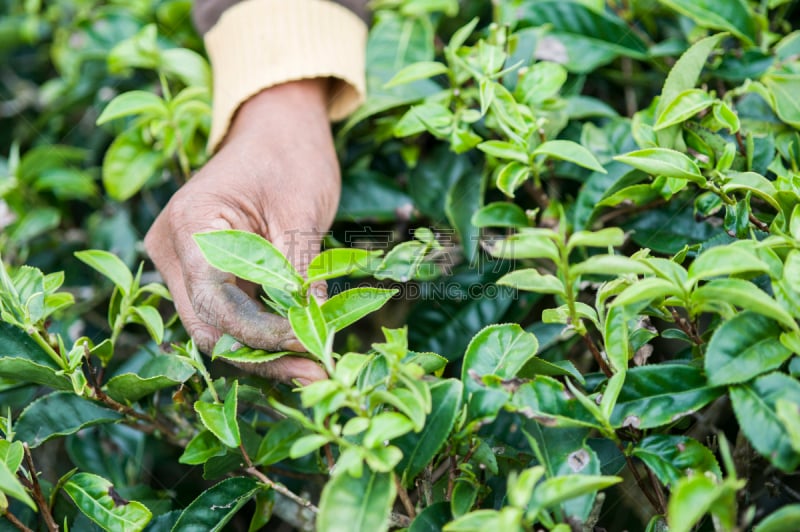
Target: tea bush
(565, 279)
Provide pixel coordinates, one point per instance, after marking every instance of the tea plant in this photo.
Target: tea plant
(591, 209)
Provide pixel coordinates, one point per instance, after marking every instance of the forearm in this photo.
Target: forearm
(258, 44)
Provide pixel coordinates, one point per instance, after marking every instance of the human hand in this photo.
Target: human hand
(277, 176)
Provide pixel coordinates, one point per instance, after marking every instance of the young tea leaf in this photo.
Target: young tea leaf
(97, 499)
(364, 503)
(110, 266)
(249, 257)
(221, 419)
(566, 150)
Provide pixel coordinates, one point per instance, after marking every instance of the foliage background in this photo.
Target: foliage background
(698, 349)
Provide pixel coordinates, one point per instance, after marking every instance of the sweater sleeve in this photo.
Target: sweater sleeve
(256, 44)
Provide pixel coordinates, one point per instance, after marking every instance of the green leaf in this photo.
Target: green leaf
(504, 150)
(500, 350)
(659, 394)
(345, 308)
(543, 80)
(277, 444)
(546, 401)
(526, 244)
(432, 518)
(249, 257)
(579, 29)
(133, 103)
(110, 266)
(128, 164)
(608, 237)
(755, 183)
(690, 500)
(151, 319)
(416, 71)
(23, 360)
(512, 176)
(556, 490)
(361, 504)
(742, 294)
(663, 162)
(616, 336)
(221, 418)
(781, 520)
(157, 373)
(672, 457)
(744, 347)
(386, 426)
(311, 329)
(784, 87)
(213, 508)
(500, 214)
(10, 485)
(339, 262)
(614, 265)
(229, 348)
(683, 76)
(755, 406)
(685, 105)
(649, 289)
(566, 150)
(463, 497)
(789, 414)
(725, 260)
(59, 414)
(97, 499)
(307, 444)
(734, 16)
(204, 446)
(480, 520)
(404, 262)
(186, 65)
(420, 448)
(12, 454)
(529, 279)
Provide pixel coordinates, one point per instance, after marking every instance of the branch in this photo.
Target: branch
(641, 484)
(758, 223)
(597, 355)
(38, 496)
(401, 491)
(280, 488)
(152, 424)
(686, 327)
(16, 522)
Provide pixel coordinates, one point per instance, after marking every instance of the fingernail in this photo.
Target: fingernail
(302, 381)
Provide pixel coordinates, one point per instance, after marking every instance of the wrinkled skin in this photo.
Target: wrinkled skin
(277, 176)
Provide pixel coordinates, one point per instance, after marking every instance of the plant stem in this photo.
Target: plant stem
(662, 502)
(404, 498)
(16, 522)
(38, 496)
(758, 223)
(152, 423)
(37, 337)
(451, 480)
(686, 327)
(280, 488)
(640, 483)
(598, 356)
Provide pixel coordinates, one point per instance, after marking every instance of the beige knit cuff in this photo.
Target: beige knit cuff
(261, 43)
